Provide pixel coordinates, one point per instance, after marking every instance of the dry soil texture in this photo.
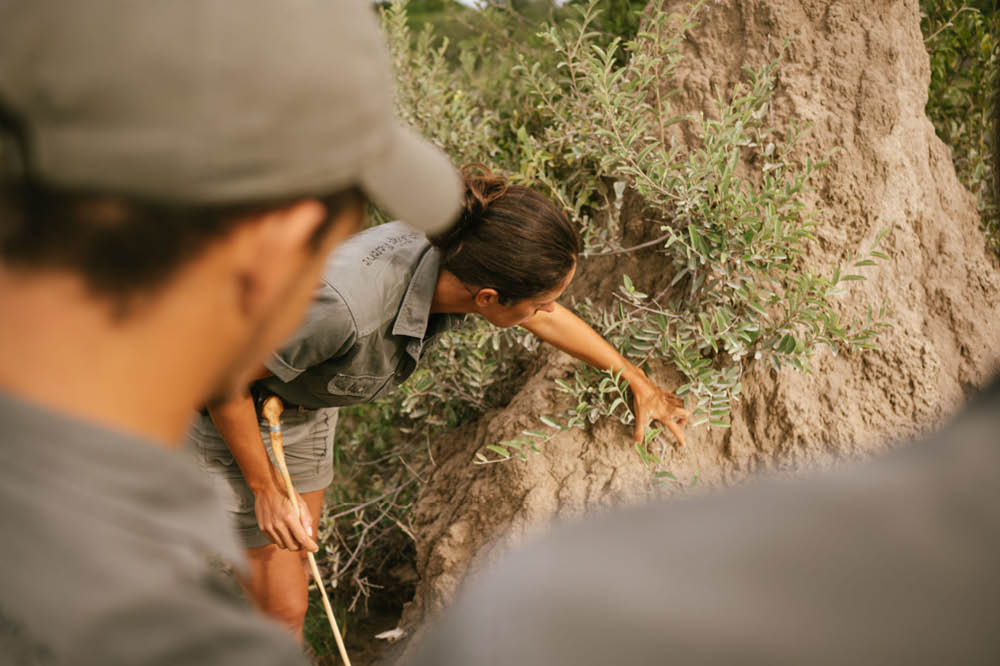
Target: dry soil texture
(858, 72)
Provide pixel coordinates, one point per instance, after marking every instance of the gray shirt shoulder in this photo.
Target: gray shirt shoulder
(106, 556)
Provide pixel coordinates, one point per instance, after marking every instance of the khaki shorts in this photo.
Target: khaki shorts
(308, 439)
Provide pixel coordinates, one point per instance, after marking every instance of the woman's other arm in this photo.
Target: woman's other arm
(236, 421)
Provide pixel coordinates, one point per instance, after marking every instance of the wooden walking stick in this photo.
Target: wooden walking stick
(272, 412)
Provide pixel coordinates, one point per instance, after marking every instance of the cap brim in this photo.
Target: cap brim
(415, 182)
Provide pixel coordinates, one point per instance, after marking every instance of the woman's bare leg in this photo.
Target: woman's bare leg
(279, 579)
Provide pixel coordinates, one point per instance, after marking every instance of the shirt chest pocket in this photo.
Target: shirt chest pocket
(362, 388)
(363, 376)
(358, 387)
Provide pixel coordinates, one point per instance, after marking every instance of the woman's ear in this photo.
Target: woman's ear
(487, 298)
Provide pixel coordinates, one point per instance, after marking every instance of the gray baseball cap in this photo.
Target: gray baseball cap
(213, 102)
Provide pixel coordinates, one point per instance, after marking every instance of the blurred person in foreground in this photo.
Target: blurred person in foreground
(173, 176)
(887, 562)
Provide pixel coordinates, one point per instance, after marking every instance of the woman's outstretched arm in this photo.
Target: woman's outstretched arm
(564, 330)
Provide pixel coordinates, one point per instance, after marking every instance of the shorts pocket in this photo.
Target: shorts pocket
(208, 443)
(304, 435)
(323, 446)
(239, 500)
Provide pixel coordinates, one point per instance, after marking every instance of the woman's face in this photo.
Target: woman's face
(506, 316)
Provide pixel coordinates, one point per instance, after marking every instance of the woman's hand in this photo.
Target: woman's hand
(564, 330)
(236, 420)
(278, 519)
(651, 403)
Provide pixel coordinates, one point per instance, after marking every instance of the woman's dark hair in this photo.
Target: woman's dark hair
(509, 238)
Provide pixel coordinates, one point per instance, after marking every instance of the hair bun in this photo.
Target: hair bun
(482, 187)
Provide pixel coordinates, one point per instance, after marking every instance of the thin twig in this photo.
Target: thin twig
(388, 456)
(410, 470)
(430, 454)
(361, 539)
(626, 250)
(948, 23)
(372, 501)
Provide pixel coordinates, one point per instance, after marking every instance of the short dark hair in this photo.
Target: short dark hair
(122, 246)
(509, 238)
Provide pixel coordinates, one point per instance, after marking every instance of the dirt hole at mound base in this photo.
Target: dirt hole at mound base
(390, 587)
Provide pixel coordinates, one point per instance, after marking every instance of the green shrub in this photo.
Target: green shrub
(962, 40)
(586, 128)
(585, 117)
